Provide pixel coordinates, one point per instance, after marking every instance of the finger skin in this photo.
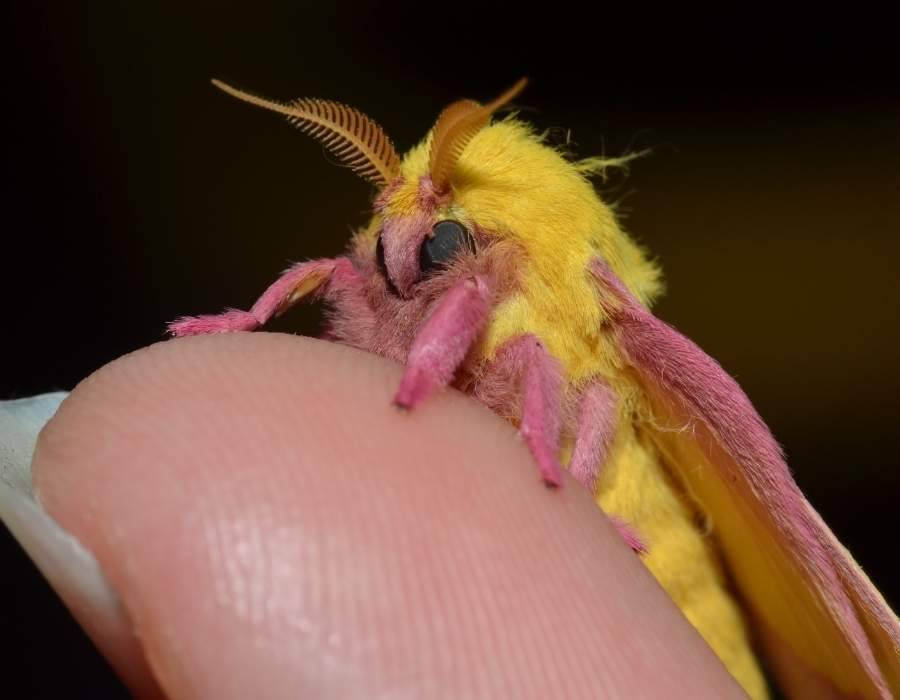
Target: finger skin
(277, 529)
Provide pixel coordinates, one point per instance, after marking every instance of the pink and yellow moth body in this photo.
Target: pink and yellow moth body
(492, 265)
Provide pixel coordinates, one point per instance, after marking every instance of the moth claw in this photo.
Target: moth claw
(401, 404)
(550, 483)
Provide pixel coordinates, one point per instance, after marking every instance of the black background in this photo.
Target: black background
(136, 193)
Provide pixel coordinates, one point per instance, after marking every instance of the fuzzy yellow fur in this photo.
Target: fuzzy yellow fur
(514, 185)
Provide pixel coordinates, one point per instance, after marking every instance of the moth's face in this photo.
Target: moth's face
(407, 260)
(506, 188)
(422, 237)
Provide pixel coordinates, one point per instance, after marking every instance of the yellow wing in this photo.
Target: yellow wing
(821, 621)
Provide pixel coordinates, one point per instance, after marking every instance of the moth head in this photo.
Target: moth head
(419, 235)
(468, 185)
(531, 213)
(423, 227)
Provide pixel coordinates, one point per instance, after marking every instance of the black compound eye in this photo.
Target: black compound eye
(447, 240)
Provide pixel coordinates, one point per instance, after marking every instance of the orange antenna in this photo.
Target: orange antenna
(455, 128)
(355, 139)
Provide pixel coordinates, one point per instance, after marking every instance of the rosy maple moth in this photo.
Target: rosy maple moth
(491, 264)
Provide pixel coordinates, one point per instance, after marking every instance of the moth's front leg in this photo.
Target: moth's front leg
(314, 277)
(596, 428)
(524, 363)
(444, 340)
(593, 439)
(541, 397)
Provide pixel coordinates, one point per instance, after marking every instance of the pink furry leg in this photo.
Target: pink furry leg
(296, 283)
(444, 340)
(541, 394)
(523, 364)
(596, 429)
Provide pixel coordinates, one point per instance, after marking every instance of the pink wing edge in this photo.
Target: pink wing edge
(746, 458)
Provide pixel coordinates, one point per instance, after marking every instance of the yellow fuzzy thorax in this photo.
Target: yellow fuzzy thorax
(513, 185)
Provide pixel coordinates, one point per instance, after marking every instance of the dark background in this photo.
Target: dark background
(136, 193)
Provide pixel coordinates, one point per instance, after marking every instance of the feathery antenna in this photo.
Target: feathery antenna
(355, 139)
(456, 127)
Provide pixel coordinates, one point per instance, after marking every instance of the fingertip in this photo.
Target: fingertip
(275, 527)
